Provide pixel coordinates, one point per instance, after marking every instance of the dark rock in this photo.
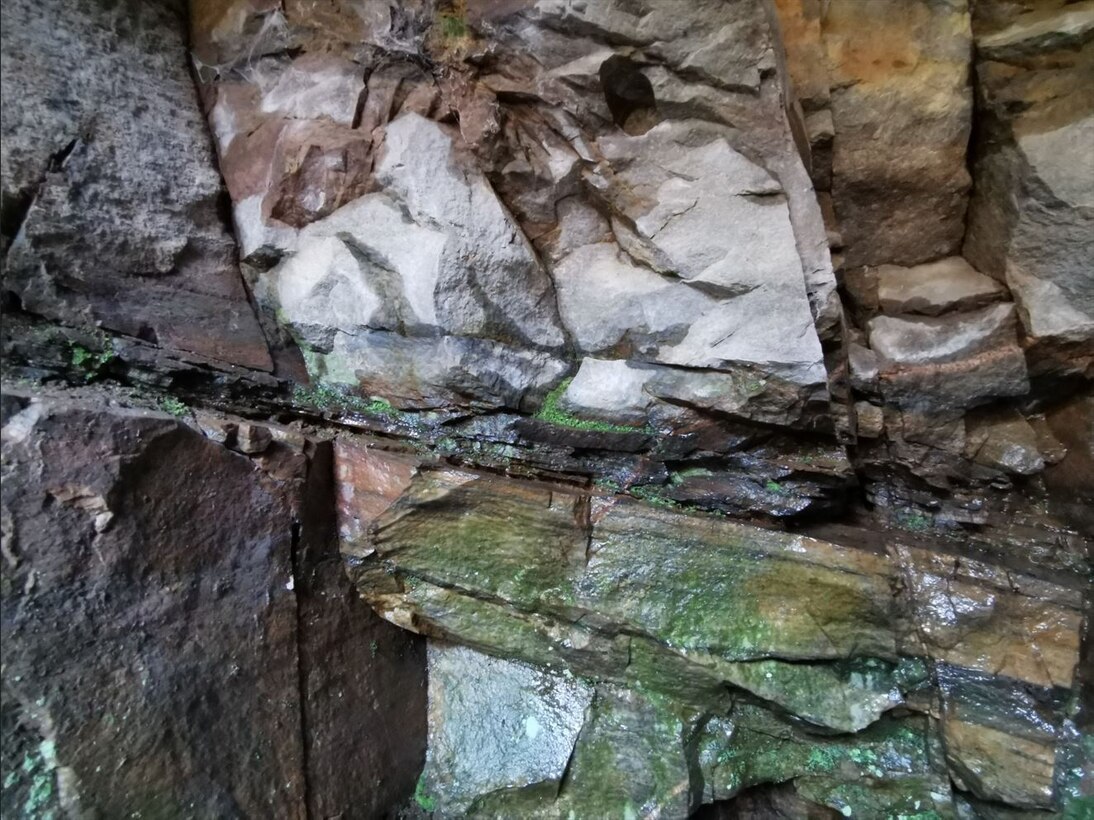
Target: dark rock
(124, 228)
(176, 635)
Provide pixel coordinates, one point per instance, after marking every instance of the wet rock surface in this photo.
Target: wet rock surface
(705, 639)
(661, 403)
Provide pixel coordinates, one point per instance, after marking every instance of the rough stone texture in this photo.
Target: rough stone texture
(901, 107)
(1005, 441)
(176, 635)
(665, 611)
(938, 287)
(1031, 220)
(949, 362)
(424, 225)
(110, 182)
(496, 725)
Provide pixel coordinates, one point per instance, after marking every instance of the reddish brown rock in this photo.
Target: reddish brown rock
(177, 633)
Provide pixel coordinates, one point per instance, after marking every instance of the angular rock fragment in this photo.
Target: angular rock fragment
(496, 725)
(937, 287)
(949, 362)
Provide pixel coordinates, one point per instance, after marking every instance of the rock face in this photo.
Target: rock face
(122, 196)
(652, 360)
(702, 636)
(176, 635)
(1031, 221)
(477, 266)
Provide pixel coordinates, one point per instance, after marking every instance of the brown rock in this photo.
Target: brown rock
(901, 105)
(198, 648)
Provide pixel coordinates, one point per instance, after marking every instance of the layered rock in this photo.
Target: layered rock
(1031, 220)
(176, 635)
(703, 637)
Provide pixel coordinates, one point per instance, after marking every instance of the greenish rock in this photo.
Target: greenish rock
(523, 571)
(496, 725)
(727, 657)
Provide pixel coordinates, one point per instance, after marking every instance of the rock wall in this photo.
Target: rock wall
(178, 636)
(708, 382)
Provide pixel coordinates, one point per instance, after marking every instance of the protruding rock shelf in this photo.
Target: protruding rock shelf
(703, 639)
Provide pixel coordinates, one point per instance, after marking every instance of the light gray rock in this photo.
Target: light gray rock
(934, 288)
(423, 292)
(1003, 440)
(609, 390)
(490, 282)
(496, 724)
(1031, 218)
(670, 185)
(953, 361)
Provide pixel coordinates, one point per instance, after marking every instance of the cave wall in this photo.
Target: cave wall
(709, 383)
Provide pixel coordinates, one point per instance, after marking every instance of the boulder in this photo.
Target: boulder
(176, 635)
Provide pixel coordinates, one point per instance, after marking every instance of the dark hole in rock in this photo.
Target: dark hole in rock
(628, 93)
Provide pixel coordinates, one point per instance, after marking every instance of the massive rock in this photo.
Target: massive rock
(176, 636)
(704, 634)
(888, 91)
(446, 240)
(111, 198)
(1031, 220)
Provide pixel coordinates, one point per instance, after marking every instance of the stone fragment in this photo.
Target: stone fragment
(901, 104)
(936, 287)
(496, 725)
(1005, 441)
(870, 419)
(607, 390)
(671, 183)
(110, 188)
(947, 362)
(863, 364)
(252, 439)
(200, 649)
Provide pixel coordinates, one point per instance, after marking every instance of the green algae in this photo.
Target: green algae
(425, 802)
(551, 412)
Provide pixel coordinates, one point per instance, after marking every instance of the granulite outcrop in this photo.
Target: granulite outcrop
(547, 409)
